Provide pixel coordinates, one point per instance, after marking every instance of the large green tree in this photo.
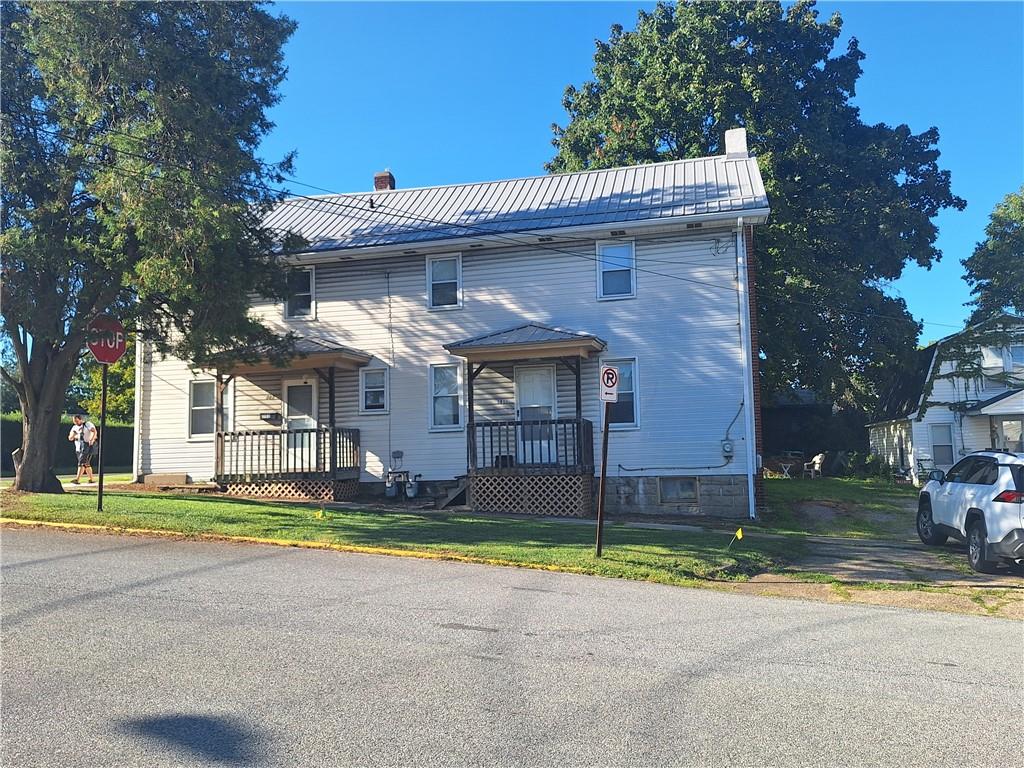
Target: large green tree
(131, 185)
(995, 270)
(852, 203)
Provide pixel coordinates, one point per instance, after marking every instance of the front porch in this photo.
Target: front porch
(285, 442)
(521, 456)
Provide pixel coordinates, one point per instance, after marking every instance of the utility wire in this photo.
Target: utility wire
(399, 213)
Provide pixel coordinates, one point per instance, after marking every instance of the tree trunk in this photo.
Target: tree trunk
(35, 472)
(42, 403)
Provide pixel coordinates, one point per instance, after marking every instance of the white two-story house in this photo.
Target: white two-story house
(454, 335)
(931, 417)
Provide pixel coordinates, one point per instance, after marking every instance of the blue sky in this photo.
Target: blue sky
(453, 92)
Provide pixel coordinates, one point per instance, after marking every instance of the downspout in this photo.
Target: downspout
(748, 365)
(137, 414)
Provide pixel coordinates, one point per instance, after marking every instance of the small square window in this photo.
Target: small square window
(373, 385)
(444, 282)
(301, 291)
(673, 490)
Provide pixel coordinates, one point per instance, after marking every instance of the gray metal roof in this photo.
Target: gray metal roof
(698, 186)
(528, 333)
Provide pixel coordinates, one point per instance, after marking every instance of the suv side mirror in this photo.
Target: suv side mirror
(937, 475)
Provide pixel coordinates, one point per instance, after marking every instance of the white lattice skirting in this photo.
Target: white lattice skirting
(564, 495)
(300, 490)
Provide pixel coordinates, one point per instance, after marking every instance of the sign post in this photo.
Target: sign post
(107, 342)
(609, 394)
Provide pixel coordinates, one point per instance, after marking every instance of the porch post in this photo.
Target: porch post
(579, 388)
(218, 422)
(330, 416)
(471, 416)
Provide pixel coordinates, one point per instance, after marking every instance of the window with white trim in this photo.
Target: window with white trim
(623, 414)
(202, 405)
(301, 301)
(616, 270)
(942, 444)
(373, 390)
(444, 282)
(445, 397)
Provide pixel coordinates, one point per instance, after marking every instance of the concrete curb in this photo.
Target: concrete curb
(295, 543)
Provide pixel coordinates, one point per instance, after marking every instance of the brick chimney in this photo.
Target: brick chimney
(383, 180)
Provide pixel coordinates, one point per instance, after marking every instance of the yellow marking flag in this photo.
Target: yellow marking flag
(739, 533)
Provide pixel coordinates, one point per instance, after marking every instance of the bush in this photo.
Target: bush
(117, 446)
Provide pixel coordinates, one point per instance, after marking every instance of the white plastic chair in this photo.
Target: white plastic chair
(813, 467)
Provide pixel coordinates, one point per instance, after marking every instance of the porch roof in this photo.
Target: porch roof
(311, 352)
(529, 340)
(1006, 404)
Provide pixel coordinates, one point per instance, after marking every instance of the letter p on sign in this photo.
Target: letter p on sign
(609, 384)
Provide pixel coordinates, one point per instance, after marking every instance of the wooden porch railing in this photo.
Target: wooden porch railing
(543, 446)
(287, 454)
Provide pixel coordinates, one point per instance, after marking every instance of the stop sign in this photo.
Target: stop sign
(107, 340)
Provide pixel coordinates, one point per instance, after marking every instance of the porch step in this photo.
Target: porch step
(453, 496)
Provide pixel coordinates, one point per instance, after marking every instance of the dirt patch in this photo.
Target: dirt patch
(1002, 603)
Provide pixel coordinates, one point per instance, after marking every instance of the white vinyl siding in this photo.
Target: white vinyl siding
(684, 410)
(616, 270)
(444, 282)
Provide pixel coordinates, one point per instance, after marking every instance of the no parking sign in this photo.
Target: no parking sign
(609, 384)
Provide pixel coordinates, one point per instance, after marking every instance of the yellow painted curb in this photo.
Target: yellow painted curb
(298, 543)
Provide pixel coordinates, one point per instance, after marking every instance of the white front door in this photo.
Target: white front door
(299, 413)
(535, 404)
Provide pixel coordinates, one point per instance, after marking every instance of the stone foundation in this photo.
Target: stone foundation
(717, 496)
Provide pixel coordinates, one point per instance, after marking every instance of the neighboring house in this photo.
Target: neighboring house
(960, 414)
(455, 333)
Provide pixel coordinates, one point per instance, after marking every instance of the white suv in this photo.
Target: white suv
(980, 501)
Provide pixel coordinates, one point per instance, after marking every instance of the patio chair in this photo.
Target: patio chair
(813, 467)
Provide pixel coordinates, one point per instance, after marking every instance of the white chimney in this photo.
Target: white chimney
(736, 143)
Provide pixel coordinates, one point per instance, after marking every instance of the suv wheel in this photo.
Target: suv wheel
(976, 554)
(927, 531)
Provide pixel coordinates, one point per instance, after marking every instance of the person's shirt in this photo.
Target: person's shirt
(84, 434)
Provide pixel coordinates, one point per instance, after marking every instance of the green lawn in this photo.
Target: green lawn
(836, 506)
(672, 557)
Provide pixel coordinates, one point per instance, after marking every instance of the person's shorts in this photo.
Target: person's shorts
(85, 456)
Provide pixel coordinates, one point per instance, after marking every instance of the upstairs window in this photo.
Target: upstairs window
(616, 270)
(301, 302)
(373, 388)
(444, 282)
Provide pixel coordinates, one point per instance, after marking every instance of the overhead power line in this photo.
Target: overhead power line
(369, 215)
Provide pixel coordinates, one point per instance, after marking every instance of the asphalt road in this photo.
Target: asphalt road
(127, 651)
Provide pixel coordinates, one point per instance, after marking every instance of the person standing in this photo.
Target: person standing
(83, 434)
